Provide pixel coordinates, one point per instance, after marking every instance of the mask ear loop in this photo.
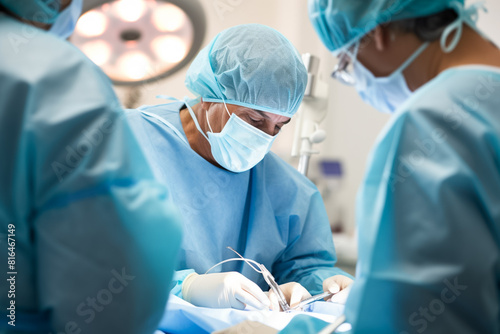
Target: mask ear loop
(469, 16)
(208, 122)
(227, 110)
(193, 116)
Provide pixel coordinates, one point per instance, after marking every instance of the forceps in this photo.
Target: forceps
(312, 300)
(268, 277)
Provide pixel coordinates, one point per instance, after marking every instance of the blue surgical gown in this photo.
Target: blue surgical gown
(429, 213)
(271, 213)
(95, 235)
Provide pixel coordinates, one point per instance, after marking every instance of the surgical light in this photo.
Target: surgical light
(129, 10)
(171, 49)
(138, 41)
(169, 18)
(92, 24)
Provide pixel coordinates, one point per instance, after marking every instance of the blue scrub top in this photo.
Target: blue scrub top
(271, 213)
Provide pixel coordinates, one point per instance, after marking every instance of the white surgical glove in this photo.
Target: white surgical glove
(294, 293)
(223, 290)
(340, 285)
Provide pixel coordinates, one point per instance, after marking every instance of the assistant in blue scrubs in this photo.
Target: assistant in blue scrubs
(91, 235)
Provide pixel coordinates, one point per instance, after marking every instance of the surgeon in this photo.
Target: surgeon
(429, 208)
(212, 152)
(88, 237)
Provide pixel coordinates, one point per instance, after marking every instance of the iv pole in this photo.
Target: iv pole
(310, 115)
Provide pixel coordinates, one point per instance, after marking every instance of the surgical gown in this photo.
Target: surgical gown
(429, 213)
(270, 214)
(92, 237)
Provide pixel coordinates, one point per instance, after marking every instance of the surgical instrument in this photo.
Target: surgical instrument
(268, 277)
(312, 300)
(275, 288)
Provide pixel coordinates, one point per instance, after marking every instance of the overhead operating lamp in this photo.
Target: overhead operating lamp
(139, 41)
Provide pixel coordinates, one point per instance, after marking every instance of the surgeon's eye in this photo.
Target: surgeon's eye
(255, 121)
(277, 130)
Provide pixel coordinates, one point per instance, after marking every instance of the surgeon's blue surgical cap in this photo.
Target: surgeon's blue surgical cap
(252, 66)
(43, 11)
(340, 23)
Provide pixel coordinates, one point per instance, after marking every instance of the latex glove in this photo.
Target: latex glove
(340, 285)
(294, 294)
(223, 290)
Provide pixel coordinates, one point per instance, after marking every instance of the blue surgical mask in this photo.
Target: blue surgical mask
(385, 94)
(239, 146)
(66, 20)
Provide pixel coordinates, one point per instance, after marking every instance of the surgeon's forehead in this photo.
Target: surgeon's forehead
(240, 110)
(251, 111)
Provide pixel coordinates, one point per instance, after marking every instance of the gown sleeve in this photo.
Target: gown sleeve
(178, 279)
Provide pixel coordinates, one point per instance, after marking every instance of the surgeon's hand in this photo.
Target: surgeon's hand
(223, 290)
(340, 285)
(294, 294)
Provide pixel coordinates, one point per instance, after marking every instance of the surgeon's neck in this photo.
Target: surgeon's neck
(196, 140)
(473, 49)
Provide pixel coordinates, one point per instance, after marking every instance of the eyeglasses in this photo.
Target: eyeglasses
(343, 71)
